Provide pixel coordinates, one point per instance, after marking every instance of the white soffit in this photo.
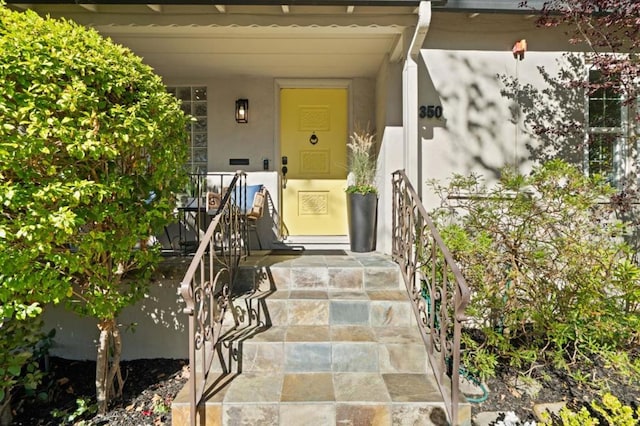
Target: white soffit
(200, 52)
(195, 43)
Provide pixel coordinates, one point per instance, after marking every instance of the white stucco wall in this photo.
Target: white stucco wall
(363, 98)
(227, 139)
(391, 152)
(155, 327)
(462, 58)
(477, 133)
(390, 159)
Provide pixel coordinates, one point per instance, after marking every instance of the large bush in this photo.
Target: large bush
(91, 148)
(552, 277)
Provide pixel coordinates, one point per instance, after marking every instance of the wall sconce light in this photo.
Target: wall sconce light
(242, 111)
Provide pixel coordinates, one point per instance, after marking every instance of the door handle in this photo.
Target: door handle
(285, 169)
(284, 177)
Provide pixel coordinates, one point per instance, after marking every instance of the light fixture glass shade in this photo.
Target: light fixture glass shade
(242, 111)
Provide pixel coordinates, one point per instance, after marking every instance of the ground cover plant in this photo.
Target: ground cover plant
(91, 148)
(554, 282)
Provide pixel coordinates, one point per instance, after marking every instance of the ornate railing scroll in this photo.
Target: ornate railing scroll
(435, 284)
(207, 287)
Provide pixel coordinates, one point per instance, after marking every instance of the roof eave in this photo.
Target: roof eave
(467, 6)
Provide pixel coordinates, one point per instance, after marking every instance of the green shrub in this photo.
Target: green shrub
(91, 149)
(552, 278)
(609, 412)
(18, 364)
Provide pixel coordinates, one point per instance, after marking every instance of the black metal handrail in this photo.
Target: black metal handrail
(438, 291)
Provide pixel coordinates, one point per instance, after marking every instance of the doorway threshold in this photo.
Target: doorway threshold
(313, 242)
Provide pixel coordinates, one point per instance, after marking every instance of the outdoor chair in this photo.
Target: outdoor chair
(255, 213)
(250, 212)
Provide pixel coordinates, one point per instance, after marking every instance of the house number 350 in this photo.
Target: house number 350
(430, 111)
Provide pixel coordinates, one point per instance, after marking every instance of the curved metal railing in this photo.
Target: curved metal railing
(207, 286)
(438, 291)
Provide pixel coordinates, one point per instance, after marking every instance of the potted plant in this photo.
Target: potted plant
(362, 194)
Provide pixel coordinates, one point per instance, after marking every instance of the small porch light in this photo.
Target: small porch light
(242, 111)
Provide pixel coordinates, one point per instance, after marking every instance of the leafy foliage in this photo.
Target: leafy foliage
(610, 411)
(552, 278)
(18, 363)
(83, 408)
(609, 31)
(90, 152)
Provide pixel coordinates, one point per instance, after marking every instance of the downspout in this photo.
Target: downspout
(412, 149)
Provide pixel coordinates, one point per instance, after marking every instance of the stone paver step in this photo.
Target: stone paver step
(318, 399)
(285, 272)
(329, 349)
(374, 308)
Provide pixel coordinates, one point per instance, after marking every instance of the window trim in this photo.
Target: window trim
(620, 157)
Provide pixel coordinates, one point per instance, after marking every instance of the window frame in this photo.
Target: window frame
(619, 150)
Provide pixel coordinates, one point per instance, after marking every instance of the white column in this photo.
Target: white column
(412, 152)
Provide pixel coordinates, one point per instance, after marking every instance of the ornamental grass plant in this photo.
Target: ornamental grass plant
(362, 163)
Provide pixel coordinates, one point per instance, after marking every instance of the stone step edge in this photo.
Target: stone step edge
(219, 385)
(331, 293)
(320, 277)
(397, 409)
(249, 334)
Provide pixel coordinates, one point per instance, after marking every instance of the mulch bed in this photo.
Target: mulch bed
(150, 386)
(507, 393)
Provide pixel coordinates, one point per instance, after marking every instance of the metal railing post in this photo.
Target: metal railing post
(427, 266)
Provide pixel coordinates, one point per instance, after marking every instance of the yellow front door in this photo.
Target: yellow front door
(313, 143)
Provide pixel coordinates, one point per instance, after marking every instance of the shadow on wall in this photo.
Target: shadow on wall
(268, 226)
(553, 117)
(485, 113)
(162, 305)
(480, 134)
(155, 327)
(430, 110)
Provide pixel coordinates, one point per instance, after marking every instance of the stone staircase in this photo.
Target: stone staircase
(324, 339)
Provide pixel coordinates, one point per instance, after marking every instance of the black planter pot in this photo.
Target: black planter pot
(362, 211)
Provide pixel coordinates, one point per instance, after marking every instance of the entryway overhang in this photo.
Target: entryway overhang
(291, 51)
(199, 42)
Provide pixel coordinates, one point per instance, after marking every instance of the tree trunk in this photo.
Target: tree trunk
(5, 410)
(109, 381)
